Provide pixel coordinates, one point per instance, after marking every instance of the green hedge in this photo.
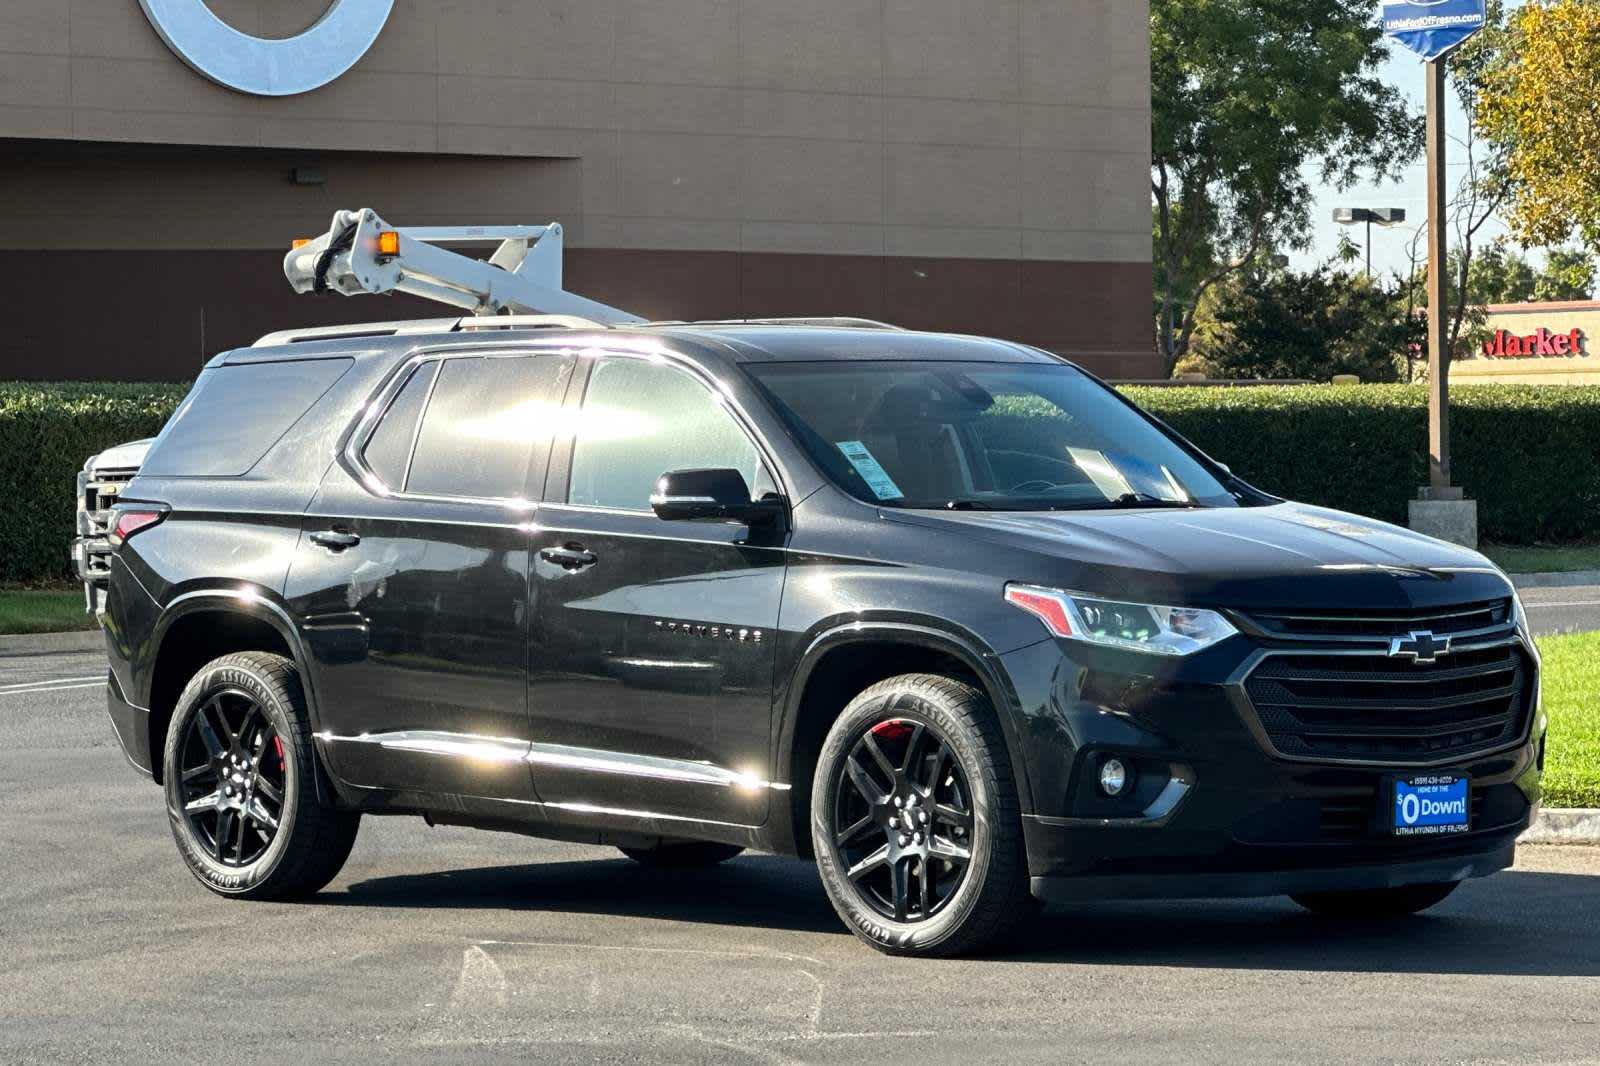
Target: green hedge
(47, 430)
(1530, 455)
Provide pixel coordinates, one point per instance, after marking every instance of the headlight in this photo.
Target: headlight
(1114, 623)
(1519, 614)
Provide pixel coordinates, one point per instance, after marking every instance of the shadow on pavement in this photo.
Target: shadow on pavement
(757, 890)
(1515, 923)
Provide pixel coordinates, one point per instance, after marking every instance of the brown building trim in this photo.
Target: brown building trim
(1537, 308)
(159, 315)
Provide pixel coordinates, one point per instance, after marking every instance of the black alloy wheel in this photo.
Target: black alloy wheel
(915, 820)
(233, 778)
(249, 813)
(903, 820)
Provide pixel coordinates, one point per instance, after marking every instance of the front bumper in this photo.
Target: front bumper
(1249, 883)
(1218, 812)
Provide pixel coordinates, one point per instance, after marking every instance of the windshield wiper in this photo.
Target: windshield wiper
(1144, 499)
(966, 505)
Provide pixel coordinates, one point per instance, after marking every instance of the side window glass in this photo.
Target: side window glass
(641, 419)
(388, 450)
(486, 432)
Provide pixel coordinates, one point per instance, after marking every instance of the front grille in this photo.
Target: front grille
(1369, 707)
(101, 490)
(1313, 626)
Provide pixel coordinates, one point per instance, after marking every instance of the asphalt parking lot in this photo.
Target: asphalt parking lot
(440, 945)
(1574, 609)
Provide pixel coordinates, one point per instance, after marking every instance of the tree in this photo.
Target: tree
(1500, 274)
(1247, 96)
(1283, 324)
(1568, 274)
(1539, 102)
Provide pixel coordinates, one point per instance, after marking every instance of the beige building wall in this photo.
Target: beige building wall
(1522, 320)
(1004, 144)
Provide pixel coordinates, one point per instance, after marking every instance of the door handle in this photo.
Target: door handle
(335, 540)
(570, 557)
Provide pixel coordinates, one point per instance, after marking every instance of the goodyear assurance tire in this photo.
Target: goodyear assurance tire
(915, 820)
(1376, 903)
(686, 855)
(240, 783)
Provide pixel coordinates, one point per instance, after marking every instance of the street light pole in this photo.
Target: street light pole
(1438, 250)
(1383, 216)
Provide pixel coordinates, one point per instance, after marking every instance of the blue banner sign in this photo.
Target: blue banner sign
(1431, 28)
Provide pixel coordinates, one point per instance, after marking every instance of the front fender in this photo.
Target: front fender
(934, 634)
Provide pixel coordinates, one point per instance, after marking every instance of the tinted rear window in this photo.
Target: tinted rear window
(235, 413)
(486, 433)
(388, 450)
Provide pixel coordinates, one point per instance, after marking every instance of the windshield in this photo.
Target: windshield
(983, 436)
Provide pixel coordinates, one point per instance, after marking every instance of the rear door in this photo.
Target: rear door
(651, 650)
(411, 576)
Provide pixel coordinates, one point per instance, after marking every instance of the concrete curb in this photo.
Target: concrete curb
(45, 643)
(1557, 825)
(1568, 579)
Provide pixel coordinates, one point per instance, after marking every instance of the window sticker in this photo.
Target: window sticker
(871, 471)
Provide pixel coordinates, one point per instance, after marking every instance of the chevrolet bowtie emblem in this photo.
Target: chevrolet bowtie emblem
(1420, 647)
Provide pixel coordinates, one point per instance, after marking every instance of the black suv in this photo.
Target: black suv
(946, 614)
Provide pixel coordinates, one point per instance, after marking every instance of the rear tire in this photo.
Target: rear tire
(239, 773)
(687, 855)
(915, 820)
(1375, 903)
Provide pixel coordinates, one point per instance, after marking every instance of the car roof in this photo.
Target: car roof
(737, 342)
(766, 343)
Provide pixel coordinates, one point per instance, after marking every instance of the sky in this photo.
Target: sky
(1389, 246)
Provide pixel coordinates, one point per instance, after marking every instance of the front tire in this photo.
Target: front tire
(1375, 903)
(915, 820)
(240, 779)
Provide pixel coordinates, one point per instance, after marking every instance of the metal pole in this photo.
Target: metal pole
(1369, 247)
(1438, 249)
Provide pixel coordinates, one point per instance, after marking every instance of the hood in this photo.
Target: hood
(1284, 555)
(129, 456)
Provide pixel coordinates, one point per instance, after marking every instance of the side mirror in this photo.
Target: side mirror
(711, 496)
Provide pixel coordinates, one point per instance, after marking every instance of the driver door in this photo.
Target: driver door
(651, 649)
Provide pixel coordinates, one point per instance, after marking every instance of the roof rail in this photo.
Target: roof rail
(478, 322)
(840, 322)
(468, 324)
(356, 329)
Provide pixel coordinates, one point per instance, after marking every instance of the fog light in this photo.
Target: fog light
(1113, 777)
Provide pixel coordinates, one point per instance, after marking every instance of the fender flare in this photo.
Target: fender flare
(963, 646)
(249, 601)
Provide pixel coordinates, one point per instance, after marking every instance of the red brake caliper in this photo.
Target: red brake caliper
(277, 746)
(894, 729)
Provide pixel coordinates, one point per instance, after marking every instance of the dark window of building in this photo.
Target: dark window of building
(486, 433)
(388, 450)
(234, 414)
(641, 419)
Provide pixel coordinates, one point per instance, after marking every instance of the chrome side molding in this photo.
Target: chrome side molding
(617, 762)
(567, 757)
(430, 742)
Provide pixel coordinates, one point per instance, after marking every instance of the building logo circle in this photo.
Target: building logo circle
(266, 67)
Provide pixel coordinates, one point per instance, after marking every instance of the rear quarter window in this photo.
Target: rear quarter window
(234, 414)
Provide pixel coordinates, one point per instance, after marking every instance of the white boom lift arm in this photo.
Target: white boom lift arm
(361, 253)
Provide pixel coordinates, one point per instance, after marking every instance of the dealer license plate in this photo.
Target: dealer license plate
(1432, 805)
